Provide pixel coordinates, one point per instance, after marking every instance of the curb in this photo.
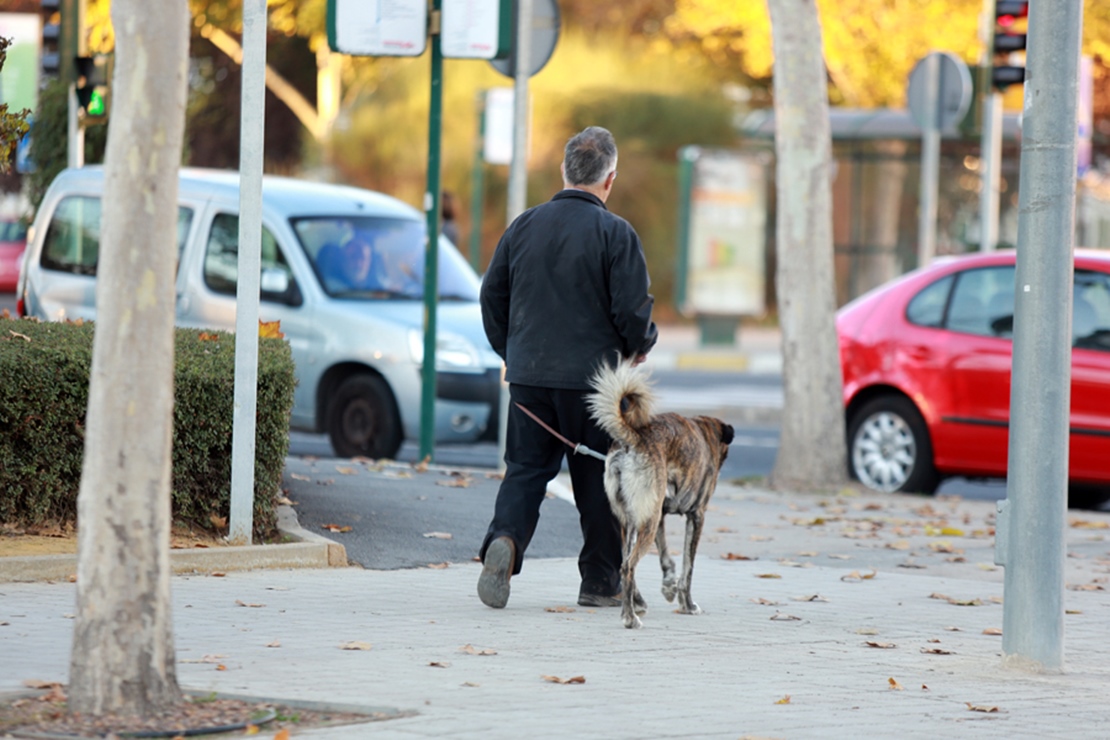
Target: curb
(308, 550)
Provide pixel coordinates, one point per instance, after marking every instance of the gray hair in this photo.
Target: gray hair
(589, 156)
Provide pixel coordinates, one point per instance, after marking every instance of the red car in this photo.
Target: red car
(926, 363)
(13, 240)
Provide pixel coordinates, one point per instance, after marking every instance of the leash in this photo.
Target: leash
(579, 449)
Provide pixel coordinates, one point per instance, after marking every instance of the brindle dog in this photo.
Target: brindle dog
(658, 464)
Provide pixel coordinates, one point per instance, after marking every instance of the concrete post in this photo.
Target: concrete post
(1033, 614)
(251, 134)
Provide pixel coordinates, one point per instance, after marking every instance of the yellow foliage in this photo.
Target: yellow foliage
(870, 45)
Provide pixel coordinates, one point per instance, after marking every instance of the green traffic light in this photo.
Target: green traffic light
(96, 105)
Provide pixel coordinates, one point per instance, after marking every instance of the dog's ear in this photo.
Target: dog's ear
(726, 433)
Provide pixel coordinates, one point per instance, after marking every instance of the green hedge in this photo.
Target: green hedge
(44, 375)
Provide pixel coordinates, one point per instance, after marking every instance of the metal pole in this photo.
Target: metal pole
(477, 190)
(991, 152)
(930, 164)
(1036, 505)
(518, 168)
(431, 251)
(251, 133)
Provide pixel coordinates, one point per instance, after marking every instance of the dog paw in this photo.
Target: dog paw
(669, 591)
(691, 609)
(633, 622)
(638, 604)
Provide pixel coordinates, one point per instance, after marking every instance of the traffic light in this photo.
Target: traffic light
(94, 78)
(51, 37)
(1008, 39)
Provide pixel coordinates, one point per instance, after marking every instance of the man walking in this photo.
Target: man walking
(567, 289)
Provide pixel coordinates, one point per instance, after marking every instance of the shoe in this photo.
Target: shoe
(585, 599)
(493, 584)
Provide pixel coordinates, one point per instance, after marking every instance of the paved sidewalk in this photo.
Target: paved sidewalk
(772, 657)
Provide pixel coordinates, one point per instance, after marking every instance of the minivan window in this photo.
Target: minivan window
(72, 242)
(373, 258)
(221, 257)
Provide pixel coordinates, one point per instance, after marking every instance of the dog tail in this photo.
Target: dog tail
(622, 401)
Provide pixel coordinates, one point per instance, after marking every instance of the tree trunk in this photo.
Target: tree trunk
(812, 451)
(123, 655)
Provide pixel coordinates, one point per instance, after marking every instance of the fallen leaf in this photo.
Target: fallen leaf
(243, 603)
(455, 482)
(470, 684)
(1086, 524)
(208, 337)
(250, 729)
(811, 597)
(966, 602)
(422, 466)
(274, 644)
(980, 707)
(780, 617)
(953, 629)
(438, 535)
(807, 554)
(737, 556)
(282, 734)
(344, 470)
(440, 664)
(895, 685)
(559, 609)
(765, 602)
(867, 631)
(855, 576)
(1066, 611)
(336, 527)
(471, 650)
(20, 336)
(937, 651)
(784, 700)
(898, 545)
(768, 575)
(298, 476)
(840, 557)
(219, 522)
(270, 329)
(439, 566)
(881, 645)
(724, 530)
(205, 659)
(36, 683)
(943, 546)
(760, 538)
(556, 679)
(992, 631)
(356, 645)
(1085, 587)
(221, 667)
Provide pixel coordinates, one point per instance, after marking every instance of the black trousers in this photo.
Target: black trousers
(533, 457)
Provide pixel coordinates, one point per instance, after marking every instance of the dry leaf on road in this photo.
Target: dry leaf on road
(992, 631)
(937, 651)
(881, 645)
(856, 577)
(438, 535)
(244, 603)
(298, 476)
(356, 645)
(784, 700)
(780, 617)
(556, 679)
(471, 650)
(559, 609)
(895, 685)
(767, 575)
(980, 707)
(737, 556)
(336, 527)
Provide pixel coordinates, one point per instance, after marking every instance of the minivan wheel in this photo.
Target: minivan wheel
(363, 419)
(889, 448)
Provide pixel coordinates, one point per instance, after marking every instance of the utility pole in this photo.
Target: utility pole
(1031, 522)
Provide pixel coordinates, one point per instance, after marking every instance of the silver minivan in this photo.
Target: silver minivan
(342, 270)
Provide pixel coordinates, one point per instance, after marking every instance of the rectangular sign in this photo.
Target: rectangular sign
(378, 28)
(727, 236)
(19, 79)
(476, 29)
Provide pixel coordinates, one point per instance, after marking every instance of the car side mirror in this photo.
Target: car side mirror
(275, 284)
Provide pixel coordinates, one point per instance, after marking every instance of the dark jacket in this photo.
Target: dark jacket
(567, 289)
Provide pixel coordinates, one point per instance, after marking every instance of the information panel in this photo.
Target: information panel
(378, 27)
(476, 29)
(727, 235)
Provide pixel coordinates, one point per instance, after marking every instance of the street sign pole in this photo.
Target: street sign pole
(518, 168)
(1032, 518)
(431, 251)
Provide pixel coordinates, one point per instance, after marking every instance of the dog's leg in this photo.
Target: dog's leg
(694, 521)
(666, 562)
(632, 556)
